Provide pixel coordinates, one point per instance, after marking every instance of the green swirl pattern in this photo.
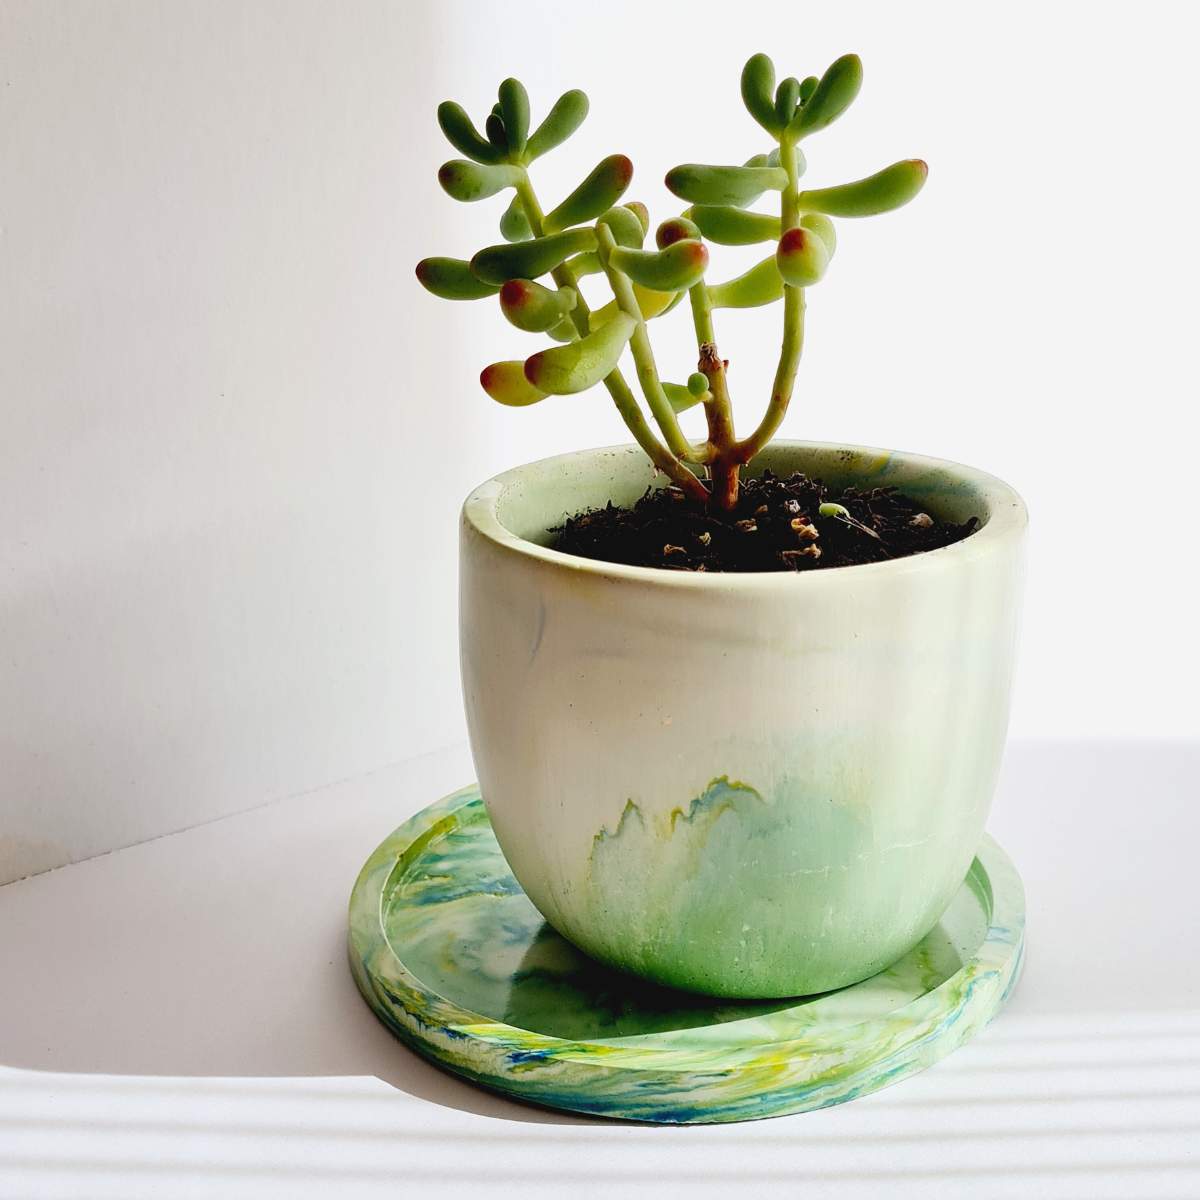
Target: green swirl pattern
(453, 958)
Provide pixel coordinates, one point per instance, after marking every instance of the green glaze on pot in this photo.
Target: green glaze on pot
(453, 957)
(657, 897)
(750, 785)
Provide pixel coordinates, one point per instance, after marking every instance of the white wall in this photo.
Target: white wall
(222, 576)
(234, 432)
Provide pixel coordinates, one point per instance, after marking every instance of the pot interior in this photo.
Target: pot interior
(533, 499)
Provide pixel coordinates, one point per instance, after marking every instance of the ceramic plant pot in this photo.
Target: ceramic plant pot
(747, 785)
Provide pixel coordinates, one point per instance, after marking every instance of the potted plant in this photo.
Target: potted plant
(736, 705)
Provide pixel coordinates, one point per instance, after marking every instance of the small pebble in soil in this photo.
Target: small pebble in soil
(800, 560)
(778, 525)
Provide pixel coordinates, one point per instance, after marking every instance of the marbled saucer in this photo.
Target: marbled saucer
(454, 959)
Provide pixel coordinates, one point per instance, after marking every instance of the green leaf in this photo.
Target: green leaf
(505, 382)
(697, 383)
(739, 186)
(514, 224)
(675, 229)
(452, 279)
(461, 133)
(807, 87)
(598, 192)
(786, 99)
(822, 226)
(760, 285)
(734, 226)
(831, 97)
(671, 270)
(534, 308)
(468, 181)
(626, 228)
(585, 264)
(496, 135)
(528, 260)
(770, 159)
(680, 397)
(802, 257)
(514, 111)
(561, 121)
(577, 366)
(651, 304)
(674, 303)
(887, 189)
(642, 213)
(758, 90)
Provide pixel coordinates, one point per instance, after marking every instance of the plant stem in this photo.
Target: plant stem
(643, 357)
(562, 275)
(718, 411)
(622, 396)
(793, 323)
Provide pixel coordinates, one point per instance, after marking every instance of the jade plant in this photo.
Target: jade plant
(536, 271)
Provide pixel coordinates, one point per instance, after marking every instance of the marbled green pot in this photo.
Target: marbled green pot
(746, 785)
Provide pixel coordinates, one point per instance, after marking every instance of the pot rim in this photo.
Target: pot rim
(1006, 518)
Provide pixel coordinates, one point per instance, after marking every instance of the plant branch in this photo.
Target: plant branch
(643, 358)
(622, 396)
(719, 410)
(793, 322)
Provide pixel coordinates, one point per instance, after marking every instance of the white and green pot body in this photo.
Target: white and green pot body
(747, 785)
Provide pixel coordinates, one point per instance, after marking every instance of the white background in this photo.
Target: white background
(234, 432)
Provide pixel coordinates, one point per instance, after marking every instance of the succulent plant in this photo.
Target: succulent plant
(535, 272)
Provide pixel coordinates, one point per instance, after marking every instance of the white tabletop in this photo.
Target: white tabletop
(177, 1019)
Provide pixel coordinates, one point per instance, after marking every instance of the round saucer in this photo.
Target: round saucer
(453, 957)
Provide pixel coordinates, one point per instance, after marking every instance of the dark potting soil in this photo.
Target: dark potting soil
(777, 526)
